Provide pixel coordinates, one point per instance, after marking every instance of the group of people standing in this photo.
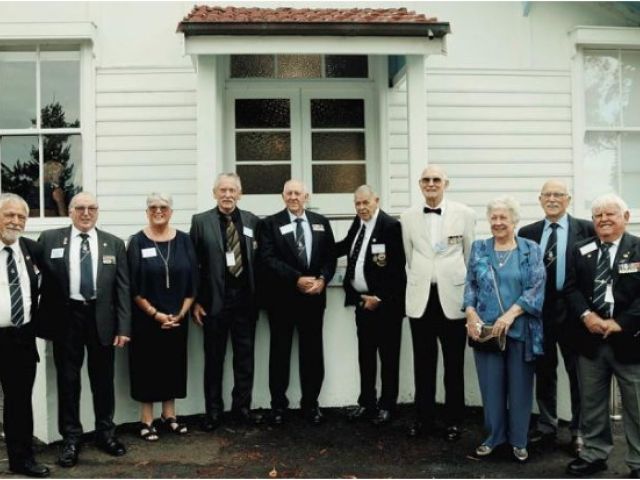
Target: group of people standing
(561, 281)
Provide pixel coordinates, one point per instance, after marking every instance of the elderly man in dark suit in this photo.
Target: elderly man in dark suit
(603, 294)
(296, 249)
(18, 354)
(224, 240)
(85, 304)
(375, 283)
(557, 234)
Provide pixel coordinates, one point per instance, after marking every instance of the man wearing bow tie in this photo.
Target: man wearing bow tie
(603, 295)
(437, 237)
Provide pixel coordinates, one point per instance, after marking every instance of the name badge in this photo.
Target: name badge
(317, 227)
(590, 247)
(629, 267)
(57, 252)
(108, 260)
(378, 248)
(149, 252)
(231, 259)
(248, 232)
(288, 228)
(608, 294)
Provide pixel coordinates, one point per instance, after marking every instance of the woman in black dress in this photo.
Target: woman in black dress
(162, 264)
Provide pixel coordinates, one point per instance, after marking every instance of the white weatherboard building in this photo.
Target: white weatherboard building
(109, 97)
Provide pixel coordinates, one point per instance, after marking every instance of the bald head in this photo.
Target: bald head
(554, 199)
(433, 183)
(295, 196)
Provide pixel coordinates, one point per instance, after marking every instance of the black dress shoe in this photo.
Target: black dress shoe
(68, 454)
(361, 413)
(582, 468)
(314, 416)
(453, 433)
(383, 418)
(542, 438)
(246, 417)
(211, 421)
(31, 469)
(276, 417)
(112, 446)
(419, 428)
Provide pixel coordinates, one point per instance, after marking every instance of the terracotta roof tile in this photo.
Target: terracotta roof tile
(215, 14)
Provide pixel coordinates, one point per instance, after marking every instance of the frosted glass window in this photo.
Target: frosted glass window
(631, 88)
(262, 113)
(299, 66)
(602, 88)
(337, 146)
(338, 178)
(337, 113)
(263, 179)
(630, 174)
(252, 66)
(17, 89)
(263, 146)
(346, 66)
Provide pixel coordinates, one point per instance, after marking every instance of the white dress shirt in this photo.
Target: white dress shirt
(25, 286)
(359, 283)
(434, 227)
(74, 261)
(306, 228)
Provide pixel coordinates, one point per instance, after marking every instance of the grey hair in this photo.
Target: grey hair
(439, 168)
(73, 201)
(302, 184)
(507, 202)
(12, 197)
(367, 190)
(231, 175)
(159, 196)
(609, 199)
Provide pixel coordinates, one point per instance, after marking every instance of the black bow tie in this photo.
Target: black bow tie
(437, 211)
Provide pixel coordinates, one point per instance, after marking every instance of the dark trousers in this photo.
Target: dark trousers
(547, 377)
(308, 319)
(17, 373)
(68, 355)
(238, 319)
(379, 333)
(425, 333)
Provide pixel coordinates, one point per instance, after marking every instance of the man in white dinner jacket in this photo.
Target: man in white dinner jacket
(437, 237)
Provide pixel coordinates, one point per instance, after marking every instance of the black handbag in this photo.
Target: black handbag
(487, 341)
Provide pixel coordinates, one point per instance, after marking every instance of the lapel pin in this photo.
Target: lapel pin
(104, 244)
(65, 240)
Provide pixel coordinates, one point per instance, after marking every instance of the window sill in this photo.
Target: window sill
(35, 226)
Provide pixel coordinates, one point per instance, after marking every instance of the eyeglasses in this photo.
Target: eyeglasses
(154, 208)
(428, 180)
(553, 195)
(92, 209)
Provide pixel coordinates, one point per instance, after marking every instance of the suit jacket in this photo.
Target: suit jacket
(210, 252)
(113, 300)
(277, 253)
(626, 295)
(448, 266)
(385, 278)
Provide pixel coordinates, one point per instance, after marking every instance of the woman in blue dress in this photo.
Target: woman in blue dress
(505, 288)
(162, 266)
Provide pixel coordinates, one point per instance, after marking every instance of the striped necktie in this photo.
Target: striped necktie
(301, 245)
(602, 279)
(86, 268)
(233, 245)
(17, 306)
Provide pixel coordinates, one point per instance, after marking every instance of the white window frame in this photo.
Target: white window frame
(80, 34)
(593, 38)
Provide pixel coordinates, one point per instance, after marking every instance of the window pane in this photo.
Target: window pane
(630, 175)
(17, 89)
(346, 66)
(600, 164)
(60, 90)
(263, 178)
(263, 146)
(602, 88)
(338, 178)
(262, 113)
(252, 66)
(62, 172)
(332, 113)
(299, 66)
(631, 88)
(20, 169)
(337, 146)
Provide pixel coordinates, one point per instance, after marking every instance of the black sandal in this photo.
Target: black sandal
(148, 433)
(171, 425)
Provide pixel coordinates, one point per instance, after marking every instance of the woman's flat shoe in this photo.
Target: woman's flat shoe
(484, 450)
(171, 425)
(148, 432)
(520, 454)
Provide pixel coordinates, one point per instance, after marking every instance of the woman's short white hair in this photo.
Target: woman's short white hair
(607, 200)
(507, 202)
(159, 197)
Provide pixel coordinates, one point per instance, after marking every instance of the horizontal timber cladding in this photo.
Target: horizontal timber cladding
(145, 142)
(494, 131)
